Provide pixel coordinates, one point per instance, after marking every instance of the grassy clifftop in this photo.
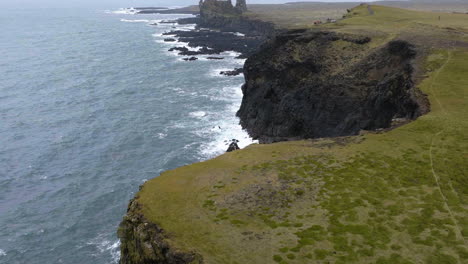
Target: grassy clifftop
(392, 197)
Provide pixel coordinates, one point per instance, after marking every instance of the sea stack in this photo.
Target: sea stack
(222, 6)
(241, 6)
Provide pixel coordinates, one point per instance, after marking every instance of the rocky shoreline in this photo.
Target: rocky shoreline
(143, 242)
(213, 42)
(211, 37)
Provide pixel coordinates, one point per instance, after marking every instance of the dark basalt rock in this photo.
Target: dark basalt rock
(188, 20)
(190, 59)
(179, 49)
(302, 85)
(215, 58)
(235, 72)
(215, 42)
(168, 22)
(169, 40)
(202, 51)
(143, 242)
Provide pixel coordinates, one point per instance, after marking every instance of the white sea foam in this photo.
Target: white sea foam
(216, 72)
(224, 125)
(238, 34)
(106, 246)
(125, 11)
(2, 252)
(232, 53)
(138, 20)
(226, 130)
(186, 27)
(162, 135)
(197, 114)
(219, 127)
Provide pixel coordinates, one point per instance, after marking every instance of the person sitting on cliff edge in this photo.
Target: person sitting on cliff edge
(233, 146)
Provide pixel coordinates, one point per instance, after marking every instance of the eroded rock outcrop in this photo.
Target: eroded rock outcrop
(224, 16)
(143, 242)
(323, 84)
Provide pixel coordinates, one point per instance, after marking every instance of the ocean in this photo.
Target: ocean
(91, 106)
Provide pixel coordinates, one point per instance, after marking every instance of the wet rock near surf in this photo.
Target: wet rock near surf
(188, 20)
(216, 42)
(234, 72)
(190, 59)
(193, 10)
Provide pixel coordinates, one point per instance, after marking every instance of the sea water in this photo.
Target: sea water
(91, 106)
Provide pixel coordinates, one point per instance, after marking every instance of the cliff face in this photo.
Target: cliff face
(324, 84)
(143, 242)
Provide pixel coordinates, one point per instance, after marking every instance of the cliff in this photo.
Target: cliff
(144, 242)
(398, 196)
(313, 84)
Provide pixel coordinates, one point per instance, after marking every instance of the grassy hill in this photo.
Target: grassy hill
(303, 14)
(399, 196)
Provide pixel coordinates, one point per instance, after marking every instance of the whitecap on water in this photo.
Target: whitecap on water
(124, 11)
(225, 132)
(217, 72)
(106, 246)
(197, 114)
(237, 34)
(2, 252)
(232, 53)
(161, 135)
(220, 127)
(224, 126)
(138, 20)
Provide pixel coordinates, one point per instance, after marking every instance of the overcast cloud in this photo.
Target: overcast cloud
(125, 3)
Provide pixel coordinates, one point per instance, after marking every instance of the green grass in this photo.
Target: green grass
(394, 197)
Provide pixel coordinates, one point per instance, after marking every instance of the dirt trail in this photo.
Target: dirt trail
(434, 173)
(371, 11)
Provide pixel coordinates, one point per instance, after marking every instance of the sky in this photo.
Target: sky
(125, 3)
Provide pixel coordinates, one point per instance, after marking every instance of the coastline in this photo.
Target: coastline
(275, 202)
(189, 44)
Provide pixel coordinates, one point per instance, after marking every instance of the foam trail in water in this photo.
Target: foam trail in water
(106, 246)
(138, 20)
(221, 126)
(124, 11)
(198, 114)
(217, 72)
(225, 131)
(225, 126)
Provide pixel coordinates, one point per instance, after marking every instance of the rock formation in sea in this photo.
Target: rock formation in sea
(224, 16)
(221, 7)
(241, 5)
(223, 27)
